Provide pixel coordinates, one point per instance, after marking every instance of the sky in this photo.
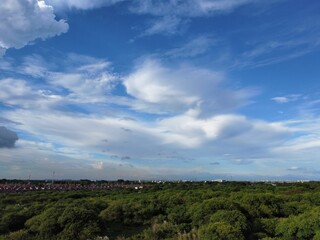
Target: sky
(160, 89)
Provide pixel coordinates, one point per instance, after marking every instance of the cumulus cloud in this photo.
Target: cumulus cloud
(8, 138)
(22, 22)
(220, 134)
(165, 89)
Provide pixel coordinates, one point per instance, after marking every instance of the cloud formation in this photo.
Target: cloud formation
(8, 138)
(193, 48)
(196, 101)
(171, 14)
(187, 8)
(199, 120)
(22, 22)
(82, 4)
(286, 99)
(162, 89)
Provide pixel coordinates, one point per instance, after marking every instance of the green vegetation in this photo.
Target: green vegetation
(176, 211)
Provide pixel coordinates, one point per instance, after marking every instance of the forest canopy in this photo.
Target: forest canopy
(182, 211)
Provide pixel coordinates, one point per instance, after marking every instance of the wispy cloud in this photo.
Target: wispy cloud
(196, 47)
(281, 41)
(275, 52)
(168, 25)
(82, 5)
(287, 98)
(188, 8)
(85, 80)
(295, 168)
(171, 14)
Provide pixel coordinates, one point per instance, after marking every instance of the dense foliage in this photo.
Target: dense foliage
(182, 211)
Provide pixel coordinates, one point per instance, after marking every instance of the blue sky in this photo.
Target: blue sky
(143, 89)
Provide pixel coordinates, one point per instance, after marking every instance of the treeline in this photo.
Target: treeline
(177, 211)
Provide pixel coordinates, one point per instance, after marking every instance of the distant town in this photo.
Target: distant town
(16, 186)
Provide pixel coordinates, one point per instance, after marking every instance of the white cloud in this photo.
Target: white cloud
(22, 22)
(186, 92)
(286, 99)
(217, 127)
(303, 146)
(81, 4)
(279, 45)
(13, 89)
(198, 100)
(187, 8)
(20, 93)
(305, 143)
(84, 88)
(280, 99)
(86, 80)
(98, 165)
(28, 159)
(295, 168)
(230, 133)
(166, 25)
(193, 48)
(191, 136)
(171, 14)
(159, 88)
(80, 79)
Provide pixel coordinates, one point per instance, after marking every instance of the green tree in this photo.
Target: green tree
(19, 235)
(261, 205)
(303, 226)
(45, 225)
(201, 213)
(234, 217)
(113, 213)
(79, 221)
(220, 231)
